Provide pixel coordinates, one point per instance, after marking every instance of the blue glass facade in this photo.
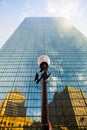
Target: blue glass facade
(55, 37)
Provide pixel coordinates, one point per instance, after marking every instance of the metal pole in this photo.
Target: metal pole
(45, 123)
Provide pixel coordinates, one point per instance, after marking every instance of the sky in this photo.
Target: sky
(12, 13)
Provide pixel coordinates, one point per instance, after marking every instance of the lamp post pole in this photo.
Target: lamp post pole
(45, 123)
(44, 62)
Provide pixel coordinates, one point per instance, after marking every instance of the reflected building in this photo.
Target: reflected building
(13, 105)
(13, 112)
(15, 123)
(69, 108)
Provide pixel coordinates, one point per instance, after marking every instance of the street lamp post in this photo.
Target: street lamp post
(44, 62)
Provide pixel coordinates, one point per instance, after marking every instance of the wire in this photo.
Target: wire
(38, 87)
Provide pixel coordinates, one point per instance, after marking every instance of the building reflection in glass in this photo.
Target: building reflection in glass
(67, 110)
(13, 112)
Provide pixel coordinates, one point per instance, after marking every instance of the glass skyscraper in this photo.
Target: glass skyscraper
(67, 50)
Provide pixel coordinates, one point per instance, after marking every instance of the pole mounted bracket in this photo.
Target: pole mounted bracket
(44, 75)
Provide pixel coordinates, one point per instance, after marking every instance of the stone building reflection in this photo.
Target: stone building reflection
(13, 112)
(69, 108)
(13, 105)
(67, 111)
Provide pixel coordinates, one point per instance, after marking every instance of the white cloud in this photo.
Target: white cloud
(54, 81)
(37, 115)
(65, 8)
(81, 77)
(85, 82)
(73, 10)
(58, 68)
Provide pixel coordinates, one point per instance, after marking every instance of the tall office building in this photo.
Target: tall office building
(66, 48)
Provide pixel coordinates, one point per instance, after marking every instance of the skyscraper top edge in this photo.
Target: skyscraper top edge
(46, 17)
